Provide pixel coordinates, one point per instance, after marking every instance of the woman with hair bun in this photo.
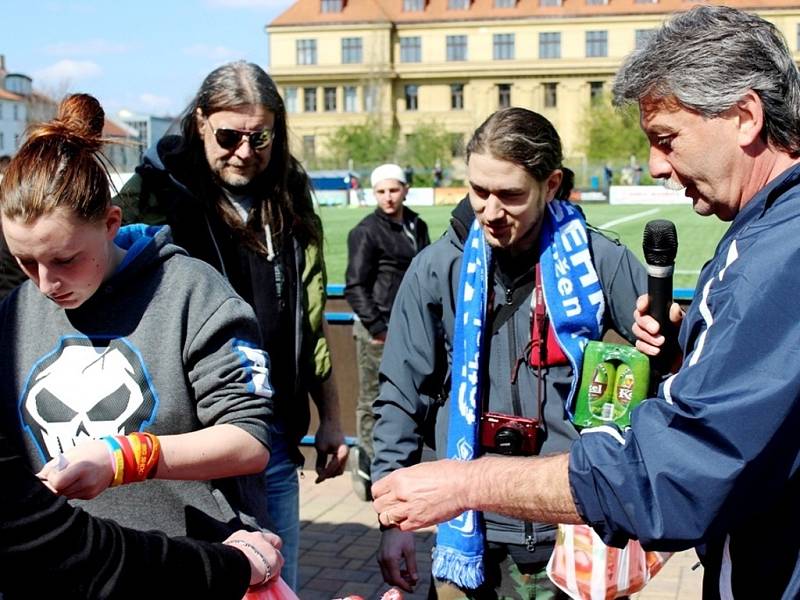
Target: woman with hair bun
(124, 359)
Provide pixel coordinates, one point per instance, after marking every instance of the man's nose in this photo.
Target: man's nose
(243, 150)
(494, 208)
(658, 164)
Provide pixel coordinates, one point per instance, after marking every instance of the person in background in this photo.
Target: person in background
(504, 249)
(237, 199)
(133, 372)
(713, 460)
(409, 173)
(379, 251)
(10, 273)
(438, 174)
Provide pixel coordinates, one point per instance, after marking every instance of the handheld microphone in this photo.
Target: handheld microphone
(660, 245)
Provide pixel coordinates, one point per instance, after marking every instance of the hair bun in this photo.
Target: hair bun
(82, 116)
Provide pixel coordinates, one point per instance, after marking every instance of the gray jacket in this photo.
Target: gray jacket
(166, 346)
(412, 405)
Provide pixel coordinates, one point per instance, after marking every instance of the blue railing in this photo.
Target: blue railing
(336, 290)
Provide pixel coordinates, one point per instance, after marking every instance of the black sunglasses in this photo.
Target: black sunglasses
(230, 139)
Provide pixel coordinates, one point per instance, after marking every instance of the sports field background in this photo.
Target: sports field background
(697, 236)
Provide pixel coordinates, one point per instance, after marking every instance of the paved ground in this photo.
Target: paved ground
(339, 538)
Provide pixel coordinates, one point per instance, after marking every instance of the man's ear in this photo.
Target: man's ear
(750, 118)
(553, 183)
(200, 121)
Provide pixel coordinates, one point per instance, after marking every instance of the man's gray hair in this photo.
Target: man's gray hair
(707, 59)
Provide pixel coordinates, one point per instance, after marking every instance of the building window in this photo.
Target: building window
(351, 50)
(16, 112)
(550, 94)
(310, 99)
(505, 3)
(412, 98)
(458, 4)
(1, 110)
(411, 49)
(595, 91)
(332, 6)
(642, 35)
(413, 5)
(2, 141)
(645, 1)
(503, 46)
(329, 99)
(596, 43)
(596, 2)
(798, 36)
(350, 100)
(370, 98)
(457, 96)
(503, 95)
(456, 47)
(550, 45)
(309, 147)
(549, 2)
(306, 52)
(290, 98)
(16, 141)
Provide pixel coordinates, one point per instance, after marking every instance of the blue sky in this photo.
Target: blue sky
(146, 56)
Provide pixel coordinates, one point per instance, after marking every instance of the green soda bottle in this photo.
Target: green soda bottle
(623, 391)
(601, 388)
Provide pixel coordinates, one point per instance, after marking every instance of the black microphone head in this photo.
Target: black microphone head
(660, 243)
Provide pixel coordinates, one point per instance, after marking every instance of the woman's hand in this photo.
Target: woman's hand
(82, 472)
(262, 550)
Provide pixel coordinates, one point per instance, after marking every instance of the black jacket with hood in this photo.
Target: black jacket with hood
(168, 189)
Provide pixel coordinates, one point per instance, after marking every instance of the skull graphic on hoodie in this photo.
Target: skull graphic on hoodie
(86, 388)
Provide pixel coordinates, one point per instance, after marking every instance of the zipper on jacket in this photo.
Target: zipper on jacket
(530, 537)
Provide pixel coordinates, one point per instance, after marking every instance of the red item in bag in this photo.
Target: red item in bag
(586, 569)
(274, 590)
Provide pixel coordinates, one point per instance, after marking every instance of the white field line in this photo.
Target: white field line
(633, 217)
(687, 271)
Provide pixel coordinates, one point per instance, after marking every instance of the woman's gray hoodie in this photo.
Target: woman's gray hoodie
(164, 345)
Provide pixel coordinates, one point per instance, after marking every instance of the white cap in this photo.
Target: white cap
(387, 171)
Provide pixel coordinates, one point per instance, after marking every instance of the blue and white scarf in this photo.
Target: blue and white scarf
(574, 300)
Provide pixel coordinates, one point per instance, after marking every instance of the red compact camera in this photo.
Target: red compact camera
(508, 434)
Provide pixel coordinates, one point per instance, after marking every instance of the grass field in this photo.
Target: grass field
(697, 236)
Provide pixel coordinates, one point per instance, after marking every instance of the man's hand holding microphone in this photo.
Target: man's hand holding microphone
(657, 318)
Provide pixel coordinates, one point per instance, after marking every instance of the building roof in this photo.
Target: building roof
(308, 12)
(113, 129)
(304, 12)
(6, 95)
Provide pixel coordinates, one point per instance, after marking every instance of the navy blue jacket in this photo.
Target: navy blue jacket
(713, 461)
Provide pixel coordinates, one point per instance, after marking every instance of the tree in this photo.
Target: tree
(613, 134)
(367, 144)
(428, 143)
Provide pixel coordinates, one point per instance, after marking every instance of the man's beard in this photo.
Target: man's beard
(236, 184)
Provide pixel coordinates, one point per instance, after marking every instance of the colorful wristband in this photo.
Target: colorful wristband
(134, 457)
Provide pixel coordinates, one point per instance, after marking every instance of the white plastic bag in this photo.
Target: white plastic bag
(585, 568)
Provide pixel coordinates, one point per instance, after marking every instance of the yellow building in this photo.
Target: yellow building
(454, 62)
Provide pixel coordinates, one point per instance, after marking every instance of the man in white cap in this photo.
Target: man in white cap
(380, 249)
